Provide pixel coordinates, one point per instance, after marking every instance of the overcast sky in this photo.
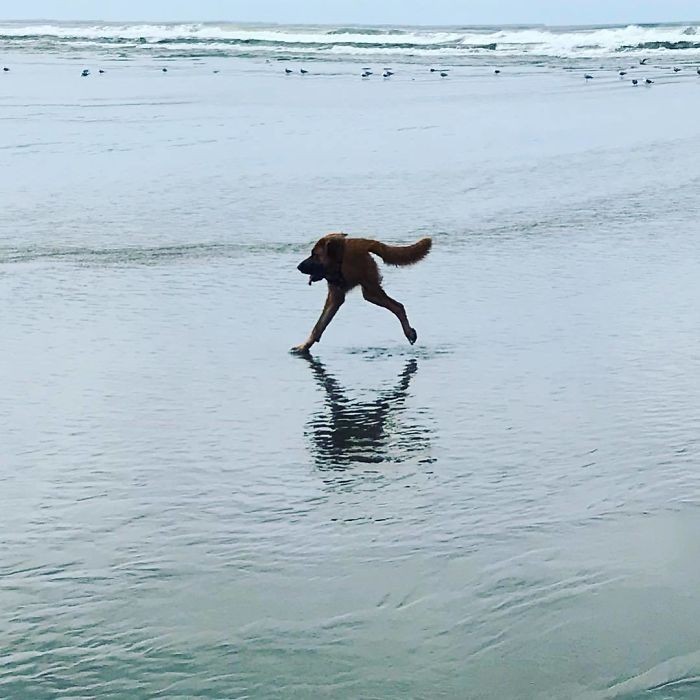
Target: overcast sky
(361, 11)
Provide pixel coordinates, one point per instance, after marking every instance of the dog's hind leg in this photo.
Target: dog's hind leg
(376, 295)
(334, 301)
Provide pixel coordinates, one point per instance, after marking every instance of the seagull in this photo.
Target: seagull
(387, 74)
(303, 71)
(648, 81)
(676, 69)
(366, 74)
(588, 76)
(287, 70)
(643, 61)
(634, 81)
(497, 71)
(623, 73)
(85, 73)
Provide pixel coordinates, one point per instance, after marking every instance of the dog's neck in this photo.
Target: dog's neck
(336, 280)
(335, 276)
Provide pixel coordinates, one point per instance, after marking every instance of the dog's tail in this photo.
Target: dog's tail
(402, 254)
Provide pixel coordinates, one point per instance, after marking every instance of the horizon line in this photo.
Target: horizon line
(482, 25)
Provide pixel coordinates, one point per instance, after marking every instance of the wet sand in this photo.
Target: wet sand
(506, 509)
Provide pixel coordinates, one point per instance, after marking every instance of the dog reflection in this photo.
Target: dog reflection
(351, 431)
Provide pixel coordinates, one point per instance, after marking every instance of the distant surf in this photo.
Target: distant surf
(409, 44)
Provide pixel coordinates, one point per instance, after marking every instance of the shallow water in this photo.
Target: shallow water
(507, 509)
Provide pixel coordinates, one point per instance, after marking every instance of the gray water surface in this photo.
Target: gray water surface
(508, 509)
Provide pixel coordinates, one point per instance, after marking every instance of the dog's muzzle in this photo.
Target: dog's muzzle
(315, 270)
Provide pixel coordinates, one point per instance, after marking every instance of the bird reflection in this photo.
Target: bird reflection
(351, 431)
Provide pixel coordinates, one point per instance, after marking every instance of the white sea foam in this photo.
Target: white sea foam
(317, 41)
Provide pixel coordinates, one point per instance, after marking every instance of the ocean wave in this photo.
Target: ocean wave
(366, 30)
(224, 32)
(671, 45)
(313, 41)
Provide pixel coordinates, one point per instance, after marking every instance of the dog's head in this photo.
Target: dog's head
(325, 260)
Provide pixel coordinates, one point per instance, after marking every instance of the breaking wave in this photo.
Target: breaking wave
(316, 42)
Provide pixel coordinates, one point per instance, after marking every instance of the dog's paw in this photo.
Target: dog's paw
(302, 349)
(412, 336)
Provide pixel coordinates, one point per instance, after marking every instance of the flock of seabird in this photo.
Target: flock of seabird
(636, 81)
(443, 72)
(86, 71)
(386, 73)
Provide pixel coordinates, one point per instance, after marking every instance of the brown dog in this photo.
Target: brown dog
(345, 263)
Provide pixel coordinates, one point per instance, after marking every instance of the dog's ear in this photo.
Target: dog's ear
(335, 246)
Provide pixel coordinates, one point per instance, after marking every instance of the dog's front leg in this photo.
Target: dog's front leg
(334, 301)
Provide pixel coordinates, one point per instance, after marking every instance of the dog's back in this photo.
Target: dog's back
(360, 268)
